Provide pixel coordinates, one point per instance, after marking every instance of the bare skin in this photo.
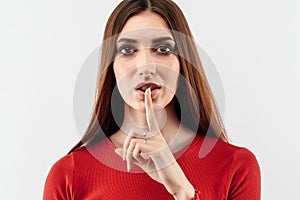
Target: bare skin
(167, 136)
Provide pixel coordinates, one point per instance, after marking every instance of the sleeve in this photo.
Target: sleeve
(196, 196)
(245, 176)
(58, 185)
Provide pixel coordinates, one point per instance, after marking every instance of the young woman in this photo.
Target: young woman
(156, 132)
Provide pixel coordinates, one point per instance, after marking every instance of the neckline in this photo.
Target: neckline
(176, 154)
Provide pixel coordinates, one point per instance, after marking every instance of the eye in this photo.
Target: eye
(164, 49)
(126, 50)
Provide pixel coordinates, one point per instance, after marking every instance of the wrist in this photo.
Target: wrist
(185, 193)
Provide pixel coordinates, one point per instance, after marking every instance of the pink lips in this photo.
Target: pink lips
(141, 88)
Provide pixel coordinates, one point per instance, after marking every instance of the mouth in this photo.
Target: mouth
(142, 87)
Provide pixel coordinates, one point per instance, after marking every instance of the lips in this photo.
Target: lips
(142, 87)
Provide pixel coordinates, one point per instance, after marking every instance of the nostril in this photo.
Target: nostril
(146, 74)
(146, 71)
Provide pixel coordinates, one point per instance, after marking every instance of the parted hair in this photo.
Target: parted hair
(198, 110)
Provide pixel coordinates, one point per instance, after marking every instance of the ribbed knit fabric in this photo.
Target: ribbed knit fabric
(226, 172)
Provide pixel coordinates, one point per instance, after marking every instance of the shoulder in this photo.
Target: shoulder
(227, 154)
(226, 150)
(240, 156)
(244, 156)
(244, 164)
(63, 165)
(66, 164)
(244, 173)
(59, 180)
(244, 177)
(235, 167)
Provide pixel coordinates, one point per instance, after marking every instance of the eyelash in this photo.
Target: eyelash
(169, 48)
(133, 50)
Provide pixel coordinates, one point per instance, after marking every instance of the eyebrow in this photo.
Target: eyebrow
(156, 40)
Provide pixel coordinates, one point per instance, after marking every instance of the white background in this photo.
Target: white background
(254, 44)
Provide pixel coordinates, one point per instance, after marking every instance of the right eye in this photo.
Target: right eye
(126, 50)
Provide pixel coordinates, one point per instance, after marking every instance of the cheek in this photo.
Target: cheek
(173, 63)
(122, 68)
(172, 73)
(118, 71)
(177, 65)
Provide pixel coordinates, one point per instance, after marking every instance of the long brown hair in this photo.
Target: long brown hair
(102, 121)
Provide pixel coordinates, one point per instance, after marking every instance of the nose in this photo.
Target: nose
(143, 63)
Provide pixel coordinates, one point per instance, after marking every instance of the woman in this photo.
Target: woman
(157, 112)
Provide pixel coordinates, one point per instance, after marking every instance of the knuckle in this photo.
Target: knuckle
(132, 141)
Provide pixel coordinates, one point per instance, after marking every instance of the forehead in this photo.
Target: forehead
(145, 27)
(146, 35)
(145, 19)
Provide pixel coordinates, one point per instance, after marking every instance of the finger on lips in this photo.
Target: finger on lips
(132, 147)
(148, 104)
(150, 115)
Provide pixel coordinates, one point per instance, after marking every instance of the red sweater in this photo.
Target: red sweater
(226, 172)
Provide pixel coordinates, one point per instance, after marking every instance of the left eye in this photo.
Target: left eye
(127, 50)
(164, 49)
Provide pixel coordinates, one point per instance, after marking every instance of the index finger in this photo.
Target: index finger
(150, 115)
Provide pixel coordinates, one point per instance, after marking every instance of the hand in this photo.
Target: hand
(155, 157)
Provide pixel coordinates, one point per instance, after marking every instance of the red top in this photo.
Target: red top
(226, 172)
